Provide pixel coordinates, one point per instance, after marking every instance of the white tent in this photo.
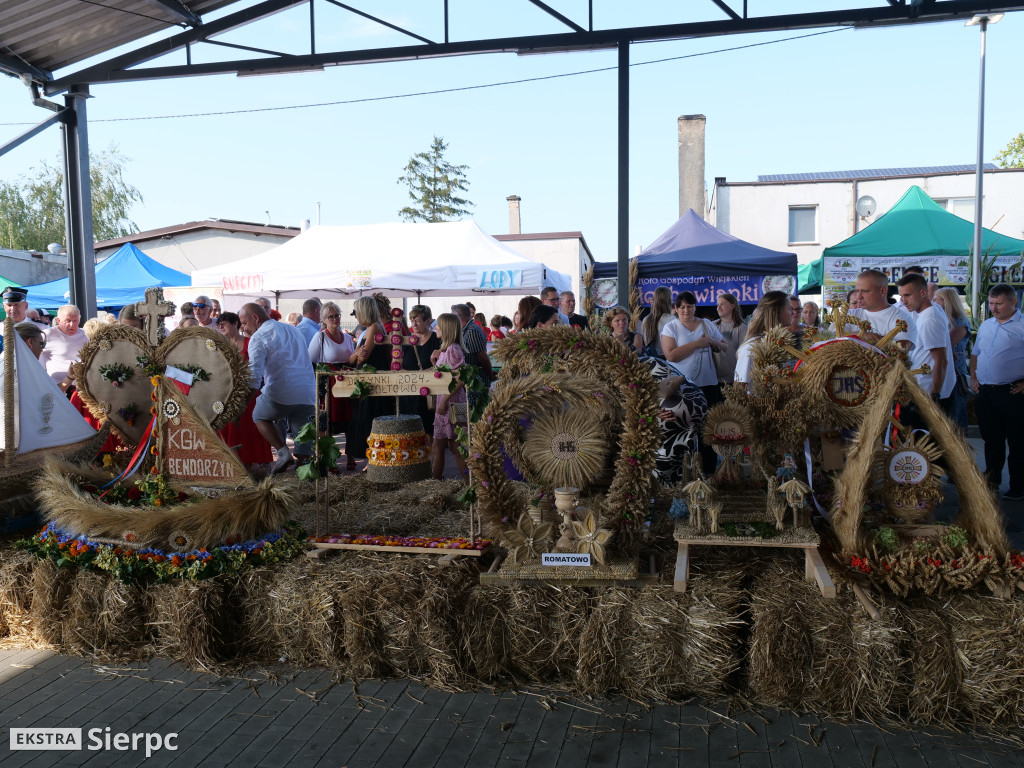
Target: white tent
(444, 259)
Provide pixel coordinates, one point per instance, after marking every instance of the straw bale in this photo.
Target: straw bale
(191, 618)
(126, 612)
(256, 640)
(988, 634)
(16, 570)
(51, 587)
(936, 671)
(83, 627)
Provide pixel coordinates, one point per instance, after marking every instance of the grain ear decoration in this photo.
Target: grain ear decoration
(245, 513)
(109, 333)
(599, 360)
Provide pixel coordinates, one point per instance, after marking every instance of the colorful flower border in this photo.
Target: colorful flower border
(156, 566)
(426, 542)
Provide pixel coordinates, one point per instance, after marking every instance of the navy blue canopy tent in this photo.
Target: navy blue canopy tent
(121, 279)
(692, 249)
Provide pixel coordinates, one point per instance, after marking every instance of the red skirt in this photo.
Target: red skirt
(245, 438)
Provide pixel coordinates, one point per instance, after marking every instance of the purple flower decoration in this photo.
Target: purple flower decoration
(490, 418)
(504, 519)
(396, 353)
(532, 343)
(424, 391)
(396, 366)
(599, 394)
(379, 338)
(437, 374)
(477, 455)
(414, 339)
(485, 484)
(396, 339)
(396, 312)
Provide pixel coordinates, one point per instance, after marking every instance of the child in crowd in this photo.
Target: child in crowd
(452, 355)
(495, 332)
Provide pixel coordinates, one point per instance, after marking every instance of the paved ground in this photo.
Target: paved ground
(301, 719)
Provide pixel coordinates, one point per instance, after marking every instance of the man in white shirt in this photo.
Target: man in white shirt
(873, 289)
(933, 347)
(63, 343)
(997, 377)
(279, 359)
(309, 325)
(549, 296)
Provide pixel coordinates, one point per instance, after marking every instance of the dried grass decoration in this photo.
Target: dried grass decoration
(219, 393)
(591, 539)
(528, 540)
(596, 375)
(911, 482)
(568, 447)
(728, 429)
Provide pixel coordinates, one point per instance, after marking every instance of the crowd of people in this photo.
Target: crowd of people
(702, 354)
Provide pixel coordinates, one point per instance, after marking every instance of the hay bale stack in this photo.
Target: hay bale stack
(82, 633)
(16, 570)
(988, 635)
(51, 587)
(127, 609)
(935, 670)
(193, 623)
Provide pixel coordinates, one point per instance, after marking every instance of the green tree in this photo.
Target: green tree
(1012, 156)
(32, 208)
(434, 185)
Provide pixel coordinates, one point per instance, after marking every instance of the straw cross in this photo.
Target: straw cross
(153, 310)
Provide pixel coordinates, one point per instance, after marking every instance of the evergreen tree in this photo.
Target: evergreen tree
(32, 208)
(434, 185)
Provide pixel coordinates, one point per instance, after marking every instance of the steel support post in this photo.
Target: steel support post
(623, 249)
(78, 204)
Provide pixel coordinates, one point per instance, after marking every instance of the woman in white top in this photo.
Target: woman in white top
(332, 344)
(688, 342)
(652, 326)
(773, 309)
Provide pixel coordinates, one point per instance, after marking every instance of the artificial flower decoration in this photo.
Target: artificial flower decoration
(218, 407)
(105, 345)
(116, 373)
(171, 409)
(379, 338)
(396, 312)
(396, 339)
(104, 406)
(211, 344)
(528, 540)
(590, 539)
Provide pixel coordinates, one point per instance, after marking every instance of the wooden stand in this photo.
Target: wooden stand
(814, 566)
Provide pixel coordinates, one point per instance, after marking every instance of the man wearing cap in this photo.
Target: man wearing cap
(15, 305)
(63, 343)
(202, 310)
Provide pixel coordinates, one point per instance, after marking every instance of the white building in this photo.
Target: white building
(199, 244)
(804, 213)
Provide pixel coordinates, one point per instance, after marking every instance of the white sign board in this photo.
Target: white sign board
(565, 558)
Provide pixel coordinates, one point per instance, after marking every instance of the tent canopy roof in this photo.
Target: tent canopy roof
(918, 226)
(453, 258)
(122, 278)
(691, 246)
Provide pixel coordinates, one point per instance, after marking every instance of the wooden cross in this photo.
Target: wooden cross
(153, 311)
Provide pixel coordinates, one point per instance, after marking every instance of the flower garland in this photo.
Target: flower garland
(116, 373)
(156, 566)
(128, 413)
(426, 542)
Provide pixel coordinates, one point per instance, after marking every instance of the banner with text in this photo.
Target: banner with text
(840, 273)
(748, 289)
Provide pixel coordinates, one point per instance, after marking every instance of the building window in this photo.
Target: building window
(961, 206)
(803, 224)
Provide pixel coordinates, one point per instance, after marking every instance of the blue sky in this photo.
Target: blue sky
(898, 96)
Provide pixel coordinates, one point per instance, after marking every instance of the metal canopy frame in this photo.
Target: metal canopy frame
(579, 37)
(126, 67)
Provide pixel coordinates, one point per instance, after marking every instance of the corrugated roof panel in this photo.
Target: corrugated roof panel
(53, 34)
(872, 173)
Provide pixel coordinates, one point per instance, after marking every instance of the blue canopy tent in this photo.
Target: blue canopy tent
(121, 279)
(693, 255)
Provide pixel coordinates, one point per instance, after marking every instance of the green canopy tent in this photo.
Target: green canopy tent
(809, 276)
(917, 227)
(4, 283)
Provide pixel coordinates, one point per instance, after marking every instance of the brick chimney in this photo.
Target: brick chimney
(513, 214)
(691, 164)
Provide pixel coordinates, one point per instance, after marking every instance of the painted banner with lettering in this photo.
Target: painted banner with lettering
(842, 272)
(748, 289)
